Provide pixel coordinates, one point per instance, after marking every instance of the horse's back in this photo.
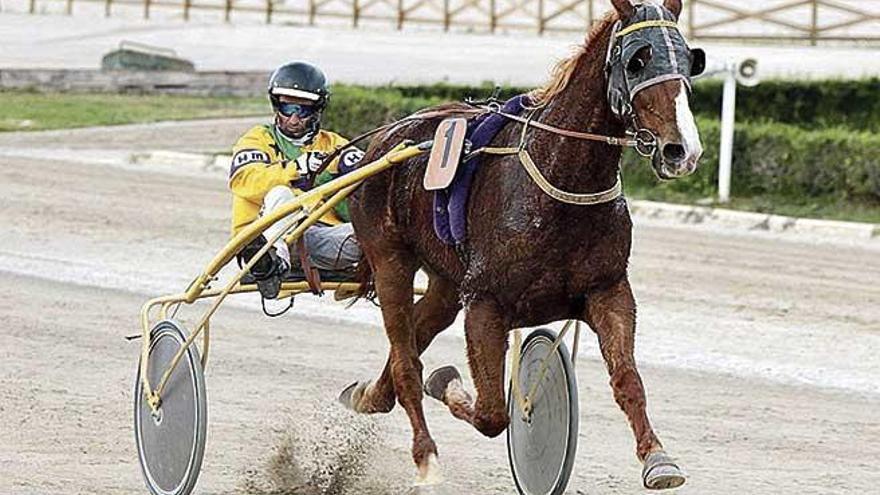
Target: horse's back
(528, 251)
(392, 210)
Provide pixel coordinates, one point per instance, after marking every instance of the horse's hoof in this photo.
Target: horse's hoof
(429, 472)
(351, 396)
(439, 380)
(661, 472)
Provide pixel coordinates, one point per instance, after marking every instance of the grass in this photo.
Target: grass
(33, 111)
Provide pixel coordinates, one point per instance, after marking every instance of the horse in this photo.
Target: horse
(530, 259)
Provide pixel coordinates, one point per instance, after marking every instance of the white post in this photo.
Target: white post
(728, 107)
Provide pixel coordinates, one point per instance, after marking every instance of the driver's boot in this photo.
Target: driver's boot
(268, 271)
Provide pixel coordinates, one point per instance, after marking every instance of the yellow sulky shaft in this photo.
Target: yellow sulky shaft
(306, 209)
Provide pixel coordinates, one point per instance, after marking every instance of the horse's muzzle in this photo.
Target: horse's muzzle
(674, 160)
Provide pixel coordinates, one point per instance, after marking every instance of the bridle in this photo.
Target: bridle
(622, 88)
(671, 59)
(620, 92)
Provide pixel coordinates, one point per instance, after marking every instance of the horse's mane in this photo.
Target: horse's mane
(561, 73)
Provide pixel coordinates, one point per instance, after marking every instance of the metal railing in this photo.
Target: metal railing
(811, 21)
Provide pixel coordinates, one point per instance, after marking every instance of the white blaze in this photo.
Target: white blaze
(687, 128)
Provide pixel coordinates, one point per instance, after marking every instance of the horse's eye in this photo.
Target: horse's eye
(639, 60)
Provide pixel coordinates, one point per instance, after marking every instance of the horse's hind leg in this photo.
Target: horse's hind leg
(486, 333)
(395, 270)
(432, 314)
(611, 313)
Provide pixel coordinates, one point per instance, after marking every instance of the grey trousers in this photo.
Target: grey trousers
(330, 248)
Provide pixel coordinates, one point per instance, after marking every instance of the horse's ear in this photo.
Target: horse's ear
(673, 6)
(624, 8)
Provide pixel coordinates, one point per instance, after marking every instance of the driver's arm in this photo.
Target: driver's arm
(252, 172)
(347, 161)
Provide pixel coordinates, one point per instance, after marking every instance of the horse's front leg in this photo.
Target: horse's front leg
(611, 313)
(486, 333)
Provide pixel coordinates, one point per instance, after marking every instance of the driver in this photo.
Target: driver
(272, 164)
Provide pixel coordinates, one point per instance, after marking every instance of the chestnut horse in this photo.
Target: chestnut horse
(528, 258)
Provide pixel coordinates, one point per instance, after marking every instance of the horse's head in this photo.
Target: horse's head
(649, 69)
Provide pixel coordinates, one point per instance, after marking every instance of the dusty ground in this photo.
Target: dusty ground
(759, 353)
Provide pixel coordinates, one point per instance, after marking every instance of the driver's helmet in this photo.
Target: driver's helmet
(304, 81)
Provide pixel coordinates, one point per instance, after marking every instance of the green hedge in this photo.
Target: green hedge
(780, 159)
(809, 104)
(356, 109)
(769, 158)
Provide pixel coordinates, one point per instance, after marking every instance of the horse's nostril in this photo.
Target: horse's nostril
(673, 152)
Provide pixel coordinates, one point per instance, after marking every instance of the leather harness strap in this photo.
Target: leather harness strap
(424, 115)
(612, 140)
(313, 277)
(525, 159)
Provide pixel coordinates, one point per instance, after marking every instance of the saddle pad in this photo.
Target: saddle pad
(450, 204)
(445, 153)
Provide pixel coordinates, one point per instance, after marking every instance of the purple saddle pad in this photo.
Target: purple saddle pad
(450, 204)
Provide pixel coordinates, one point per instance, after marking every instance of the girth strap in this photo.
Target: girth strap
(313, 277)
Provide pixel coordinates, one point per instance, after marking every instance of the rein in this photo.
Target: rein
(525, 158)
(416, 116)
(642, 140)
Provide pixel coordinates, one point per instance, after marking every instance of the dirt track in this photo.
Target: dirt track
(760, 354)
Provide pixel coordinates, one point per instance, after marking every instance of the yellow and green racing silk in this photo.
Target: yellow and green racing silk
(263, 159)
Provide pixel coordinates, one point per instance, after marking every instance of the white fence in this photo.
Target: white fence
(809, 21)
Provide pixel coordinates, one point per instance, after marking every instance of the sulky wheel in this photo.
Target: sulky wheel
(541, 445)
(171, 442)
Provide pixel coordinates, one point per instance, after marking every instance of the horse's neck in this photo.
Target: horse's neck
(581, 165)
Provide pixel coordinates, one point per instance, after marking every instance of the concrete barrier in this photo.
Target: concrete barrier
(211, 83)
(745, 220)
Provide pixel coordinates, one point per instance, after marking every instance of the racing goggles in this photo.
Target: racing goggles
(300, 110)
